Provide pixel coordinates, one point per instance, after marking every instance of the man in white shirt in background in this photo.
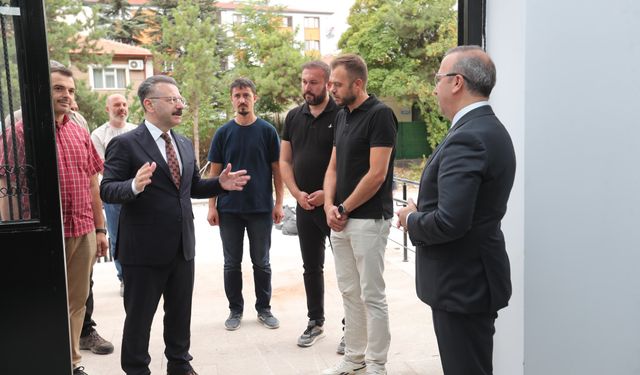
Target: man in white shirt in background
(118, 110)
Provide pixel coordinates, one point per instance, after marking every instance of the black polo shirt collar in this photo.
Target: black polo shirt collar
(331, 105)
(365, 106)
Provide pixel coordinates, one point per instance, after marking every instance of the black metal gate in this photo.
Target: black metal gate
(472, 15)
(34, 328)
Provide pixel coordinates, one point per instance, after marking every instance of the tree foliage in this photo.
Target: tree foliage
(196, 48)
(122, 23)
(402, 42)
(72, 35)
(91, 105)
(162, 10)
(269, 55)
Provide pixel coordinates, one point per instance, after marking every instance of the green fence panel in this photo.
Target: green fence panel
(412, 140)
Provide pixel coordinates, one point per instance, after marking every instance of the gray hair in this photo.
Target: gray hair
(320, 65)
(146, 87)
(476, 66)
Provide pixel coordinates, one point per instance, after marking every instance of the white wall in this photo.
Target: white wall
(508, 101)
(569, 89)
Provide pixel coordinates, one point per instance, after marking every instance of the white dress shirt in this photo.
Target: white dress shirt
(156, 135)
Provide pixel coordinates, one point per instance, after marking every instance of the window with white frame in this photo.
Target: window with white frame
(239, 19)
(109, 78)
(311, 22)
(287, 21)
(312, 45)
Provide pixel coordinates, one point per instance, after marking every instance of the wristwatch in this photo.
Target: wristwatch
(101, 230)
(342, 210)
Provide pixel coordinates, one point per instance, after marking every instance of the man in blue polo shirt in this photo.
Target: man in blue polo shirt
(251, 143)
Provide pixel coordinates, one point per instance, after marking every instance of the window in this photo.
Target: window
(109, 78)
(311, 23)
(312, 45)
(287, 21)
(238, 19)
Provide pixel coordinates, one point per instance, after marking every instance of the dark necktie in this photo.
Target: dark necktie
(172, 159)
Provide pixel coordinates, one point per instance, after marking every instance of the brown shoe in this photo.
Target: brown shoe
(96, 344)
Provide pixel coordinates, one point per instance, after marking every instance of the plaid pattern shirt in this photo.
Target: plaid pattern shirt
(13, 173)
(78, 161)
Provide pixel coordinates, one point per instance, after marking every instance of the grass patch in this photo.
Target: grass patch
(411, 169)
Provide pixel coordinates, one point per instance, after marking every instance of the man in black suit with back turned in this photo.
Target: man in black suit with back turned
(462, 268)
(152, 172)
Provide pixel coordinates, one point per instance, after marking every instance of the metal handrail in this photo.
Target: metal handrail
(400, 202)
(403, 202)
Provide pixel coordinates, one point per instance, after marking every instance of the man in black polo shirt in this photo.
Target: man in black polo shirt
(359, 207)
(307, 141)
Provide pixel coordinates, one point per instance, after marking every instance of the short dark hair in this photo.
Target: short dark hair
(241, 83)
(56, 67)
(354, 65)
(147, 86)
(477, 67)
(318, 64)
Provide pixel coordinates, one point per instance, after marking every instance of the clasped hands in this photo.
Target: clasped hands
(404, 212)
(310, 201)
(231, 181)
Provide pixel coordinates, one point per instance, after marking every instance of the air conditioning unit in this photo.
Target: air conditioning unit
(136, 65)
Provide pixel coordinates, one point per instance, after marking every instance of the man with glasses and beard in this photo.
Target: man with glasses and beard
(250, 143)
(305, 150)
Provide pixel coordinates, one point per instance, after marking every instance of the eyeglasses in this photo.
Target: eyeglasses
(438, 76)
(172, 99)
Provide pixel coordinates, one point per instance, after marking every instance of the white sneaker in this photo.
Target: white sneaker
(375, 369)
(346, 368)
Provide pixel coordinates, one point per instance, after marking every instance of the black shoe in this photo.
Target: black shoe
(189, 372)
(79, 371)
(233, 321)
(268, 320)
(311, 334)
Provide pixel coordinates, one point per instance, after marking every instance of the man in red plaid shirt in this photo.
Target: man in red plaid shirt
(78, 167)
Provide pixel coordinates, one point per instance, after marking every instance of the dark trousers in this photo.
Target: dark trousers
(258, 227)
(145, 286)
(465, 342)
(312, 234)
(88, 323)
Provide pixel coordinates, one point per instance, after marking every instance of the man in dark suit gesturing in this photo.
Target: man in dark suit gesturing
(152, 172)
(462, 268)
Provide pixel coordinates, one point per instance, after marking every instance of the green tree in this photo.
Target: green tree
(121, 22)
(72, 35)
(196, 47)
(91, 105)
(160, 10)
(269, 55)
(402, 42)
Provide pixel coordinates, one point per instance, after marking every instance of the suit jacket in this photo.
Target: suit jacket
(461, 261)
(157, 222)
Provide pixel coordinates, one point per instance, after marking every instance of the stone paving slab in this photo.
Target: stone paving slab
(254, 349)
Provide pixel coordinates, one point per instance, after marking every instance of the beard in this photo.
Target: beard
(243, 110)
(313, 99)
(346, 100)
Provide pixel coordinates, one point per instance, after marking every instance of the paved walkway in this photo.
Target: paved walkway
(254, 349)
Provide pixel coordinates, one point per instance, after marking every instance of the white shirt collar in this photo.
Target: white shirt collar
(468, 109)
(154, 130)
